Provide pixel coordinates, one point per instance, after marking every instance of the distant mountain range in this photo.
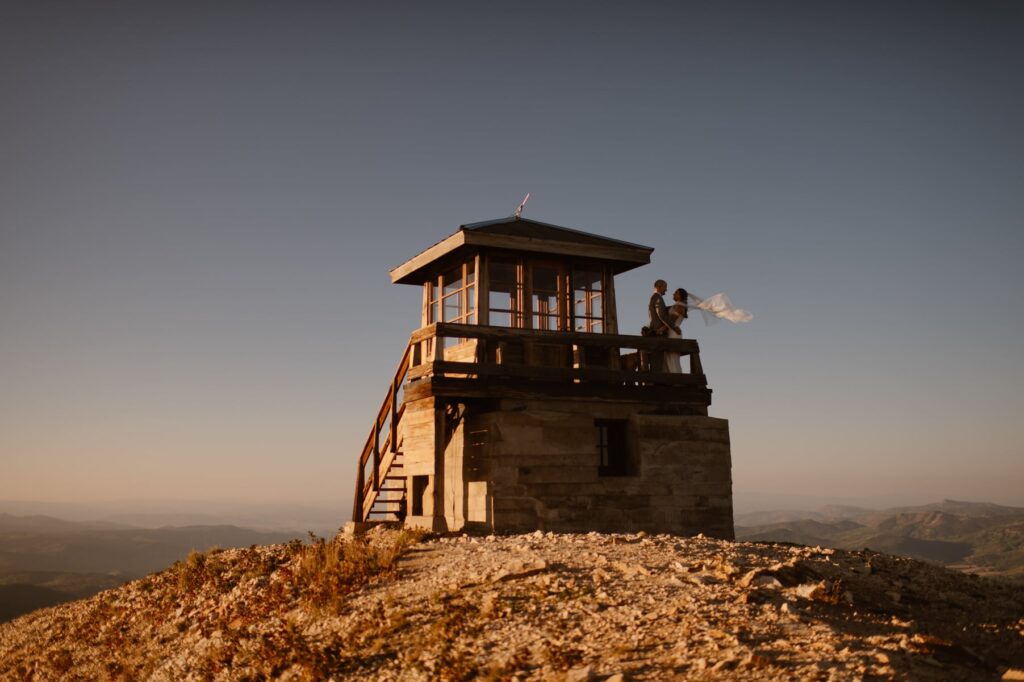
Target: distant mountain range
(322, 517)
(46, 560)
(978, 537)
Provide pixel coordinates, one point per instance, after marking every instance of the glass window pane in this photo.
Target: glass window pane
(545, 278)
(548, 322)
(545, 304)
(471, 270)
(433, 312)
(502, 271)
(453, 280)
(452, 306)
(502, 300)
(586, 279)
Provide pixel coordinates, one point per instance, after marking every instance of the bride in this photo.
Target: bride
(712, 308)
(677, 313)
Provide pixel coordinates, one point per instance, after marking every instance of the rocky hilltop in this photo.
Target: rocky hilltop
(541, 606)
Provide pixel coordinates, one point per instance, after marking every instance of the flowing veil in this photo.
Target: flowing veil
(717, 307)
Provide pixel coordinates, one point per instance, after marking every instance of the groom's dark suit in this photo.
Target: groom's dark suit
(660, 321)
(659, 326)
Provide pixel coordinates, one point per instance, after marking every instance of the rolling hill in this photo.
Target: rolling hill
(45, 560)
(976, 537)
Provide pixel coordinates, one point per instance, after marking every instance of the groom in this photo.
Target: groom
(660, 322)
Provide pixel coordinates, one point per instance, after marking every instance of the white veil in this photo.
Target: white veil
(717, 307)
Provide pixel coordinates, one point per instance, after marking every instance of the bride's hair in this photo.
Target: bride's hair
(682, 293)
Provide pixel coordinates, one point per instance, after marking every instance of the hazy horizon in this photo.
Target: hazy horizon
(199, 206)
(320, 515)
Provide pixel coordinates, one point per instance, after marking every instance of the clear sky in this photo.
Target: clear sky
(200, 202)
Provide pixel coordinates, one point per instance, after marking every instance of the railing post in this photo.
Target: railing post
(376, 456)
(695, 366)
(357, 502)
(394, 413)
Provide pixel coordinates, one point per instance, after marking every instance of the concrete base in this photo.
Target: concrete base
(435, 524)
(537, 467)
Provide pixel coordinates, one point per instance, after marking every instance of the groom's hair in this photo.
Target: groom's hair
(660, 283)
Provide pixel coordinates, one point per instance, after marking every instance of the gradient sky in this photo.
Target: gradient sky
(199, 205)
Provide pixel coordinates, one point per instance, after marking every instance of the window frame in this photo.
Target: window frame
(612, 444)
(516, 314)
(593, 324)
(465, 293)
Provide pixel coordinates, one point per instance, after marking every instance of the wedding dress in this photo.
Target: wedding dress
(716, 307)
(713, 308)
(672, 363)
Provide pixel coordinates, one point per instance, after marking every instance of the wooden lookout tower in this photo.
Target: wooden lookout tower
(518, 405)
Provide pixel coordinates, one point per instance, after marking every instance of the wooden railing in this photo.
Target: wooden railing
(381, 448)
(536, 354)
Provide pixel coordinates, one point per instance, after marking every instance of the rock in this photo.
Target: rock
(813, 591)
(754, 660)
(661, 607)
(518, 570)
(582, 674)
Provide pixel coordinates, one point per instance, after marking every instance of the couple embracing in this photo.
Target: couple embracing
(666, 322)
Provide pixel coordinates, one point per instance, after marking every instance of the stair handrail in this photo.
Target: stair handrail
(372, 448)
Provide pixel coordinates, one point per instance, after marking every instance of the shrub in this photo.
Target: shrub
(328, 570)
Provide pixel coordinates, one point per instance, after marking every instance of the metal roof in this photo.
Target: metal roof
(511, 220)
(523, 234)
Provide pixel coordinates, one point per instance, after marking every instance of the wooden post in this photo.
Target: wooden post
(611, 317)
(483, 292)
(695, 366)
(425, 312)
(376, 456)
(394, 413)
(357, 501)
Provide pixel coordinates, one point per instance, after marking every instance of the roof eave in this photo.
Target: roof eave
(621, 258)
(405, 273)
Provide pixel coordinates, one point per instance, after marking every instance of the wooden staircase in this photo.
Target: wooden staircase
(380, 493)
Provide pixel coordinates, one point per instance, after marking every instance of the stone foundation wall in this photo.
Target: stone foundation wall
(524, 468)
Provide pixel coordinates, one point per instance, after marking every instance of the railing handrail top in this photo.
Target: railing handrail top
(479, 331)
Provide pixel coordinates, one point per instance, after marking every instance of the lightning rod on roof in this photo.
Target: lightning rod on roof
(519, 211)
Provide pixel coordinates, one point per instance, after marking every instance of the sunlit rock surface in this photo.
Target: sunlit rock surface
(538, 606)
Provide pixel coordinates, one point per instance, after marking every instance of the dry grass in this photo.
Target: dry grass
(328, 570)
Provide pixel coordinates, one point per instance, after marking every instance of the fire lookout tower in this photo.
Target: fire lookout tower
(518, 405)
